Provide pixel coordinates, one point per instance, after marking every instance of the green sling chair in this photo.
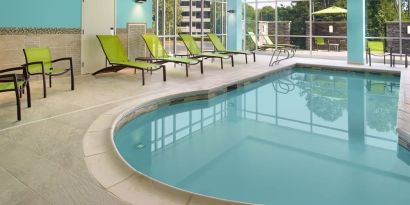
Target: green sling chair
(160, 55)
(39, 62)
(277, 50)
(17, 83)
(280, 48)
(375, 48)
(269, 42)
(263, 46)
(221, 48)
(118, 59)
(319, 41)
(195, 51)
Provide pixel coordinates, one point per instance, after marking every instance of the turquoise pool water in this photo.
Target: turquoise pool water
(302, 136)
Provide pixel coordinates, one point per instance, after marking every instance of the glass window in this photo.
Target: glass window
(387, 23)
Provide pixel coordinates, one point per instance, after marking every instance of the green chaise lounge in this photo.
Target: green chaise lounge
(160, 55)
(118, 59)
(262, 46)
(269, 42)
(277, 50)
(220, 48)
(39, 62)
(17, 83)
(195, 51)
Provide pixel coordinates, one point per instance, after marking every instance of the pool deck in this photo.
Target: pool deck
(61, 153)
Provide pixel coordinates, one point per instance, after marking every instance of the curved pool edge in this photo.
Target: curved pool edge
(136, 111)
(109, 168)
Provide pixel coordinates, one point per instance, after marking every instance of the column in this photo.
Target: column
(355, 31)
(234, 21)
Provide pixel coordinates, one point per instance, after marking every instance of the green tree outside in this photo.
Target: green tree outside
(378, 13)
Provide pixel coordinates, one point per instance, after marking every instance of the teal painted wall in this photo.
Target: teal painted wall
(129, 11)
(234, 25)
(66, 13)
(41, 13)
(355, 31)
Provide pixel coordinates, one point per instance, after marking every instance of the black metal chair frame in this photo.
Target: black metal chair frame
(204, 56)
(231, 53)
(18, 90)
(163, 61)
(43, 73)
(151, 59)
(115, 67)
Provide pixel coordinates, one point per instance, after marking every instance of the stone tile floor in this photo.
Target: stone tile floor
(42, 158)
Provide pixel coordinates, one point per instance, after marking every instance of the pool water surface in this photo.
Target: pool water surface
(301, 136)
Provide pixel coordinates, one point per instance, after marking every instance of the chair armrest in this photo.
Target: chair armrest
(9, 78)
(34, 63)
(21, 68)
(65, 59)
(11, 69)
(62, 59)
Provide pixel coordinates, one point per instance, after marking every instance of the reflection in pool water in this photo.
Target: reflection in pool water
(302, 136)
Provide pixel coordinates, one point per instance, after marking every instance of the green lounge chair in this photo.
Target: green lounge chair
(220, 48)
(17, 83)
(319, 41)
(262, 46)
(160, 55)
(39, 62)
(118, 59)
(269, 42)
(375, 48)
(277, 50)
(265, 46)
(195, 51)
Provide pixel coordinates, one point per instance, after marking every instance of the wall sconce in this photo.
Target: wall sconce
(408, 29)
(330, 28)
(140, 1)
(231, 11)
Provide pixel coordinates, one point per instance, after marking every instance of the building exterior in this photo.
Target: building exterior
(195, 10)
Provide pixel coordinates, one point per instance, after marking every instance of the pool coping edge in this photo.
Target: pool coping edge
(129, 110)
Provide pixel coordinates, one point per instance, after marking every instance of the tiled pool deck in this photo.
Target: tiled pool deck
(47, 158)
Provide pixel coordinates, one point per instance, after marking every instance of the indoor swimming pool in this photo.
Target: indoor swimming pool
(300, 136)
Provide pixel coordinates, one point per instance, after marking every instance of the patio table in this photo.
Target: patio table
(335, 45)
(393, 59)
